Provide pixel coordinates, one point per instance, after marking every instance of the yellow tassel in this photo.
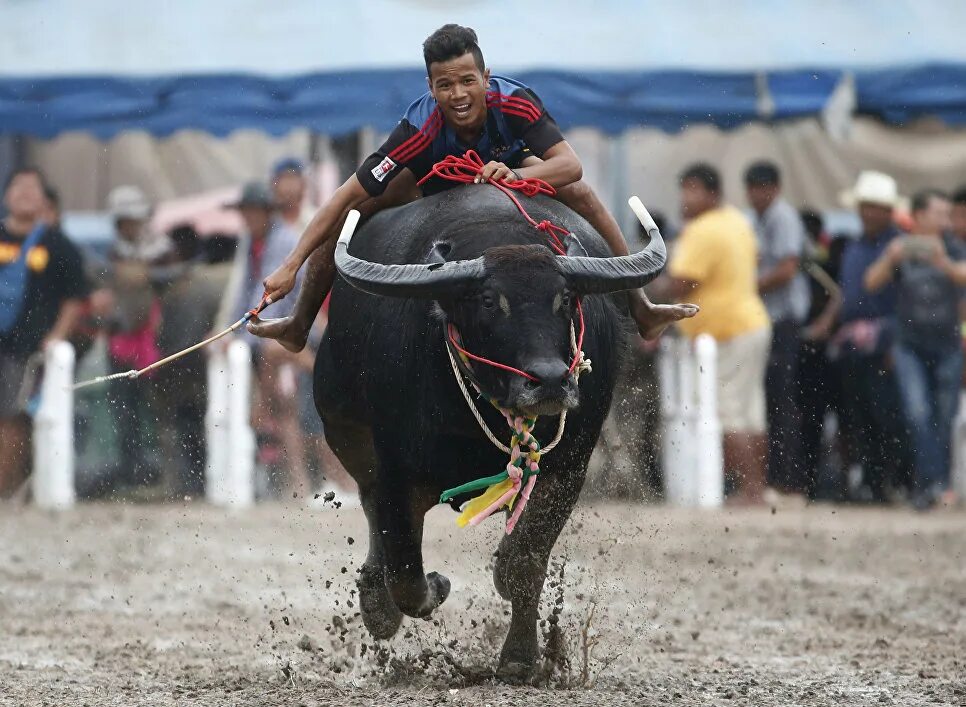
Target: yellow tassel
(483, 501)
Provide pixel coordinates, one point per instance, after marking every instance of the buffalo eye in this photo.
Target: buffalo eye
(566, 299)
(487, 301)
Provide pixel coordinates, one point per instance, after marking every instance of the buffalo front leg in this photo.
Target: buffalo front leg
(401, 526)
(379, 612)
(521, 568)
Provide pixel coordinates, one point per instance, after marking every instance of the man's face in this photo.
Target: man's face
(459, 88)
(958, 217)
(695, 198)
(25, 196)
(761, 196)
(875, 217)
(257, 220)
(289, 188)
(935, 218)
(129, 229)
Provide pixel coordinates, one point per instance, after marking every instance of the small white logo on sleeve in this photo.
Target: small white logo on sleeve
(383, 168)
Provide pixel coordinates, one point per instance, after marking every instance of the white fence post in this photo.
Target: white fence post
(958, 468)
(709, 455)
(53, 431)
(691, 451)
(230, 474)
(216, 427)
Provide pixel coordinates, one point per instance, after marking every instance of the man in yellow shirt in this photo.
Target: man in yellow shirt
(715, 265)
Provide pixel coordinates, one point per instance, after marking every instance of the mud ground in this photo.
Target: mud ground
(186, 604)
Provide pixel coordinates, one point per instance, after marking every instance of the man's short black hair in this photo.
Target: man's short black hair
(26, 170)
(762, 174)
(53, 196)
(451, 42)
(921, 200)
(959, 196)
(704, 173)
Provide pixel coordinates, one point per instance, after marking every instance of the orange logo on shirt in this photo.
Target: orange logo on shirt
(37, 259)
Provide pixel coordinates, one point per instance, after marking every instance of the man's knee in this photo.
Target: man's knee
(578, 196)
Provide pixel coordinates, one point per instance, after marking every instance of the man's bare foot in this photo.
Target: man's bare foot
(286, 331)
(653, 320)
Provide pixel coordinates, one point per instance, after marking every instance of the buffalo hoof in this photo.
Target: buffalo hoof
(419, 602)
(515, 672)
(438, 589)
(518, 659)
(379, 614)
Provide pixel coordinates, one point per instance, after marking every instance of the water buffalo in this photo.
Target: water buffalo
(393, 411)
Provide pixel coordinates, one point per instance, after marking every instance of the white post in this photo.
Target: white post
(709, 455)
(216, 427)
(677, 409)
(691, 451)
(958, 468)
(240, 476)
(53, 433)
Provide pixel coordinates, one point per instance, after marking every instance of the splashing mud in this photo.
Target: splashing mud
(642, 605)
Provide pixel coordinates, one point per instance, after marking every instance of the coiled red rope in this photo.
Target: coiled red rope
(465, 170)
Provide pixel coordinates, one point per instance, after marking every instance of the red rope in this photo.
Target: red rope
(465, 170)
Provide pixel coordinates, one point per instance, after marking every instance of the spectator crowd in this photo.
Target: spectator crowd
(867, 328)
(153, 294)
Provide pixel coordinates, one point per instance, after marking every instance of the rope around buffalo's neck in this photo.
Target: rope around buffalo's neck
(510, 488)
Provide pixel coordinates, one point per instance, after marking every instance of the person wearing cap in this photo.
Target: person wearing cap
(42, 289)
(132, 319)
(929, 270)
(289, 186)
(862, 346)
(784, 290)
(262, 246)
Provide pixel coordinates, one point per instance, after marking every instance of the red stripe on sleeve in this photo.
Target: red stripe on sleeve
(414, 147)
(521, 104)
(401, 152)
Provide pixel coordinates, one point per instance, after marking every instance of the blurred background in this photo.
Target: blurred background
(181, 104)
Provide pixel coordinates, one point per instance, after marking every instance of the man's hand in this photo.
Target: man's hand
(938, 256)
(280, 282)
(497, 171)
(896, 251)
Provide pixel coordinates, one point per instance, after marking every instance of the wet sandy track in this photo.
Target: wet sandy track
(116, 605)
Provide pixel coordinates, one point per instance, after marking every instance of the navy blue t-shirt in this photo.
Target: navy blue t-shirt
(517, 124)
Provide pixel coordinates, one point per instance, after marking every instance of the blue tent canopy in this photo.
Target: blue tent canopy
(106, 66)
(340, 102)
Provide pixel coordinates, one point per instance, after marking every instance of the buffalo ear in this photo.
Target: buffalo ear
(439, 253)
(574, 247)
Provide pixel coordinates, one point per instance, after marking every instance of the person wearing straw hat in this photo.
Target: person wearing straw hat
(862, 346)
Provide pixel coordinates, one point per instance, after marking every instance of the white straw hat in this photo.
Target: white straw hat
(872, 188)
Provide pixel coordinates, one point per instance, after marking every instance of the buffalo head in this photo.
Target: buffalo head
(513, 305)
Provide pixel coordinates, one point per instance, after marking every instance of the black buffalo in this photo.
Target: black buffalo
(391, 406)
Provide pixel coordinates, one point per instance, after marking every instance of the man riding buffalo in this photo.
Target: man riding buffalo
(465, 108)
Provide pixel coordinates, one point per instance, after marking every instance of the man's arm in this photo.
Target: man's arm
(881, 272)
(780, 275)
(322, 228)
(955, 270)
(67, 319)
